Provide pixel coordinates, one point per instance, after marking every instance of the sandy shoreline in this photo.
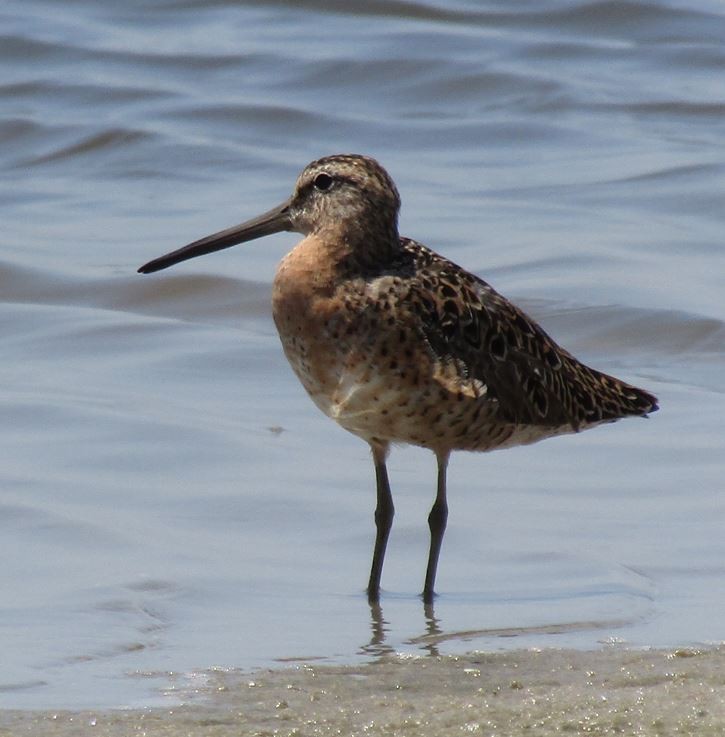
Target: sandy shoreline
(547, 692)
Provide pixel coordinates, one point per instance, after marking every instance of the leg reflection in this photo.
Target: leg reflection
(428, 641)
(432, 631)
(379, 628)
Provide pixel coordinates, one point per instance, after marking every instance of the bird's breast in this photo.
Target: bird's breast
(314, 320)
(339, 342)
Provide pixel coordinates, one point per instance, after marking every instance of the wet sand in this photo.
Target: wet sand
(608, 692)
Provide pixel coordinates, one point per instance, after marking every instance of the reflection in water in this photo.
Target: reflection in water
(377, 646)
(434, 634)
(378, 626)
(433, 630)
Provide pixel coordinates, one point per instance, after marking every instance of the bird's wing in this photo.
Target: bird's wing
(488, 339)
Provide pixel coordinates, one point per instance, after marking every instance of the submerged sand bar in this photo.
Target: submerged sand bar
(545, 692)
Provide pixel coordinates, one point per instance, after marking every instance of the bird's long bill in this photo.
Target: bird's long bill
(274, 221)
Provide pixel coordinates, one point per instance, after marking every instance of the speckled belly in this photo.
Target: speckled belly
(371, 395)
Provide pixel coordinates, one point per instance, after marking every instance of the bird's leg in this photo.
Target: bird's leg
(384, 512)
(437, 523)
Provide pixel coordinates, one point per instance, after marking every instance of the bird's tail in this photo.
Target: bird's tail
(606, 398)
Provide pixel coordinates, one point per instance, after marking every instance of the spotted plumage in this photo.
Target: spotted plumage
(400, 345)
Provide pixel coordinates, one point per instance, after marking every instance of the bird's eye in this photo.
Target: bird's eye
(323, 182)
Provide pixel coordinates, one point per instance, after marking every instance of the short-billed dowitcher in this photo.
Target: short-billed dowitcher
(400, 345)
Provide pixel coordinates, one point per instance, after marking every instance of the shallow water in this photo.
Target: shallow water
(611, 691)
(171, 500)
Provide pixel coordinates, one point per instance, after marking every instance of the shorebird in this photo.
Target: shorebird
(400, 345)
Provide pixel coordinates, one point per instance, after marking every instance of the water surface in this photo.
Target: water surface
(171, 500)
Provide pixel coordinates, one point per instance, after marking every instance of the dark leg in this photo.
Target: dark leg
(437, 523)
(383, 520)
